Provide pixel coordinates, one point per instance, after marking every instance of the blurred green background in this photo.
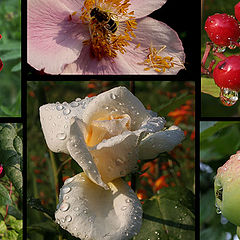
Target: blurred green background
(218, 141)
(211, 106)
(10, 53)
(47, 171)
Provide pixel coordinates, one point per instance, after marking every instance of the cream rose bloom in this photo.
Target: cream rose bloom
(105, 135)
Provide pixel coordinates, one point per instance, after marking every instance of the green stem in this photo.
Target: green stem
(55, 176)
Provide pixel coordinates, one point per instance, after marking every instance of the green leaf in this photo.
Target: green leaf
(208, 86)
(16, 67)
(15, 224)
(169, 215)
(3, 227)
(15, 54)
(10, 157)
(4, 196)
(215, 128)
(10, 46)
(173, 104)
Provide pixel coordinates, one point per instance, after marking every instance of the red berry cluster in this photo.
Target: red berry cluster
(224, 31)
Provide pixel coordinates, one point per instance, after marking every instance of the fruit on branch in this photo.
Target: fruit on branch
(227, 73)
(237, 11)
(227, 189)
(2, 172)
(222, 29)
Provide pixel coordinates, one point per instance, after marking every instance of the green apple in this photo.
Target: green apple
(227, 189)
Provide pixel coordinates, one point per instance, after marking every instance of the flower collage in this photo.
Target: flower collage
(100, 102)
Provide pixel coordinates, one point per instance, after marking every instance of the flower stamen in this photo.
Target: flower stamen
(110, 25)
(157, 62)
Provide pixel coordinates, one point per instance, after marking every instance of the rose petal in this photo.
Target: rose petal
(117, 156)
(88, 211)
(143, 8)
(79, 152)
(116, 101)
(160, 142)
(53, 40)
(55, 122)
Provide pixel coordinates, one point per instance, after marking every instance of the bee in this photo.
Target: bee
(104, 18)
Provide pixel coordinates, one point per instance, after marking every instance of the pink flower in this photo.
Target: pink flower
(101, 37)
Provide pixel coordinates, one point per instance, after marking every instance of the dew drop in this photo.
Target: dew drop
(74, 104)
(68, 180)
(78, 99)
(59, 107)
(68, 218)
(228, 97)
(66, 111)
(85, 211)
(123, 208)
(113, 96)
(220, 49)
(61, 136)
(64, 206)
(66, 189)
(128, 200)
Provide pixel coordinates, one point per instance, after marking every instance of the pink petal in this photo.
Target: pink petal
(149, 31)
(143, 8)
(53, 40)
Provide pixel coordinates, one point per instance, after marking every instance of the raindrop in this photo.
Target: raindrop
(128, 200)
(64, 206)
(66, 198)
(157, 233)
(218, 210)
(78, 99)
(63, 220)
(59, 107)
(61, 136)
(68, 180)
(74, 104)
(85, 211)
(220, 49)
(68, 218)
(228, 97)
(119, 161)
(66, 111)
(123, 208)
(113, 96)
(66, 189)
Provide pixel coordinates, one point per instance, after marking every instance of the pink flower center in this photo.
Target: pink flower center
(110, 24)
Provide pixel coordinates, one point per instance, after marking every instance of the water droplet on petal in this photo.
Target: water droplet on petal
(68, 180)
(74, 104)
(64, 206)
(128, 200)
(66, 189)
(78, 99)
(228, 97)
(61, 136)
(59, 107)
(68, 218)
(113, 96)
(123, 208)
(85, 211)
(66, 111)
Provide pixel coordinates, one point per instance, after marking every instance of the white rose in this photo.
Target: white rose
(106, 135)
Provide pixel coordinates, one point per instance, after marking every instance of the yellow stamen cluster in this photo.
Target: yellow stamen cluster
(157, 62)
(103, 42)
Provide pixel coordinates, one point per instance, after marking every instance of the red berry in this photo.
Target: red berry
(2, 172)
(222, 29)
(227, 73)
(237, 11)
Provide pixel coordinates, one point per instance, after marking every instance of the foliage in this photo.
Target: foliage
(211, 105)
(169, 171)
(10, 53)
(11, 184)
(218, 141)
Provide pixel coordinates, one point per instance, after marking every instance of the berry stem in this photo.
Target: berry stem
(10, 193)
(220, 55)
(208, 70)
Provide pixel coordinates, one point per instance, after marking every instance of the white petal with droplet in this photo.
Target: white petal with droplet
(100, 214)
(160, 142)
